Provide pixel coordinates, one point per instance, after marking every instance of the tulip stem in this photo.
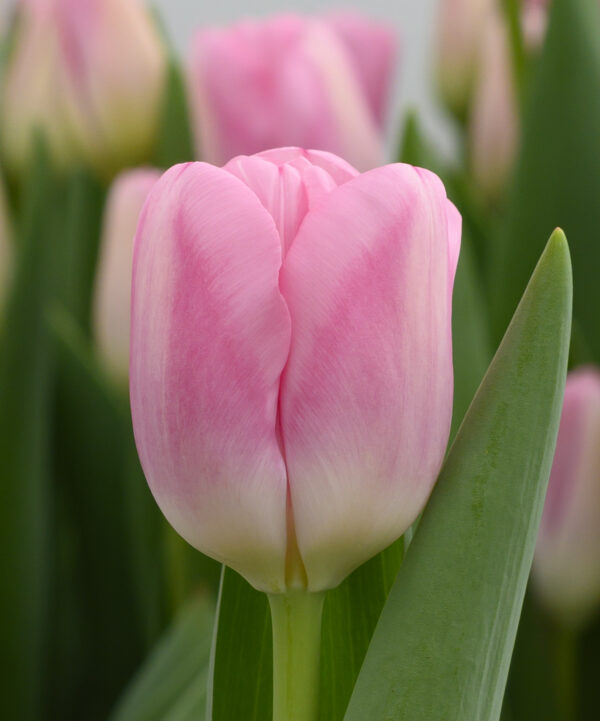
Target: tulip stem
(296, 618)
(566, 665)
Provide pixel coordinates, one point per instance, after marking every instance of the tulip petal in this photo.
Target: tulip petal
(209, 339)
(366, 395)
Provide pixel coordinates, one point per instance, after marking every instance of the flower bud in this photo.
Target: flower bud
(459, 45)
(291, 358)
(289, 81)
(113, 283)
(566, 569)
(494, 121)
(89, 76)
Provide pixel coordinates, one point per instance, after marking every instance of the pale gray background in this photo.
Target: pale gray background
(414, 21)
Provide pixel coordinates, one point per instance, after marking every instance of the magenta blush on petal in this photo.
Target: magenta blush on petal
(209, 339)
(366, 396)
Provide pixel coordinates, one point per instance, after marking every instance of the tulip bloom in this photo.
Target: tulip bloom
(291, 358)
(566, 569)
(292, 81)
(113, 284)
(87, 74)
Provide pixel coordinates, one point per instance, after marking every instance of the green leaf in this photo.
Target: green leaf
(241, 685)
(532, 690)
(557, 179)
(76, 250)
(25, 382)
(442, 647)
(171, 685)
(92, 482)
(471, 343)
(175, 142)
(350, 615)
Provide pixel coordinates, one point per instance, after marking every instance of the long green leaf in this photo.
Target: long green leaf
(25, 373)
(172, 682)
(241, 683)
(442, 648)
(557, 180)
(350, 615)
(89, 444)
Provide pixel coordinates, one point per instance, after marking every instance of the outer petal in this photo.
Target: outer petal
(566, 569)
(113, 285)
(366, 396)
(372, 48)
(209, 339)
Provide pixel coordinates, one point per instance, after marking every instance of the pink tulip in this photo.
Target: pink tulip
(494, 120)
(88, 74)
(113, 284)
(459, 46)
(476, 79)
(566, 570)
(290, 81)
(291, 358)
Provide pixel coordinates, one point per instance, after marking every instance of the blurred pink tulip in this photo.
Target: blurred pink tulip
(291, 358)
(566, 570)
(494, 120)
(113, 284)
(459, 45)
(476, 80)
(89, 75)
(291, 81)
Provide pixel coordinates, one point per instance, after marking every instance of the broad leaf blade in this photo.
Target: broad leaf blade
(172, 682)
(350, 615)
(557, 180)
(241, 683)
(442, 648)
(25, 396)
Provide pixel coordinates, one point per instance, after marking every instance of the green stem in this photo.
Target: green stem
(296, 618)
(566, 668)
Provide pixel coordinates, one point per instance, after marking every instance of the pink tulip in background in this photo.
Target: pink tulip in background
(291, 358)
(88, 74)
(566, 569)
(476, 80)
(290, 80)
(113, 282)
